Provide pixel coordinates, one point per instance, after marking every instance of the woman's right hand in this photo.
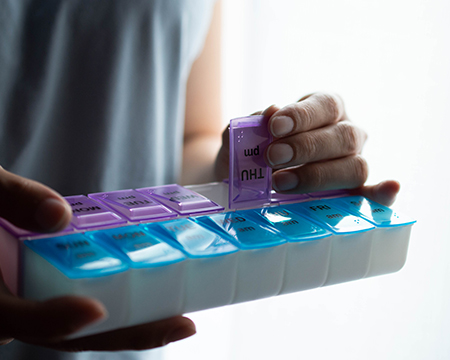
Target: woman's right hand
(33, 206)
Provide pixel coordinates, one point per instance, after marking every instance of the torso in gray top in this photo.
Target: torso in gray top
(92, 98)
(92, 93)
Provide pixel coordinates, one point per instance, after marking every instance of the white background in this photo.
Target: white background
(390, 61)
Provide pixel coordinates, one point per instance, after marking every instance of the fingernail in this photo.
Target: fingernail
(50, 214)
(179, 334)
(279, 154)
(281, 125)
(284, 180)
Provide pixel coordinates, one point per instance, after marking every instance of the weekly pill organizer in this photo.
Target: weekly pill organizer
(155, 252)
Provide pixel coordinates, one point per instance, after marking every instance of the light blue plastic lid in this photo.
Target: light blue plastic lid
(291, 226)
(331, 217)
(137, 247)
(183, 200)
(191, 238)
(88, 213)
(377, 214)
(133, 205)
(241, 229)
(77, 256)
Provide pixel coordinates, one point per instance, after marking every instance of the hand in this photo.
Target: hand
(33, 206)
(315, 148)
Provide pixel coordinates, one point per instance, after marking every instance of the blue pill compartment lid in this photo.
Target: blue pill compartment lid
(291, 226)
(242, 230)
(192, 238)
(137, 247)
(331, 217)
(380, 215)
(183, 200)
(133, 205)
(77, 256)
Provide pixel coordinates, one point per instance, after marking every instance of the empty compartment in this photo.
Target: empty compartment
(211, 265)
(156, 275)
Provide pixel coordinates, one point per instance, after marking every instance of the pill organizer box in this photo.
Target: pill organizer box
(152, 253)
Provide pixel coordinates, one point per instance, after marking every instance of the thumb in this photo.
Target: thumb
(31, 205)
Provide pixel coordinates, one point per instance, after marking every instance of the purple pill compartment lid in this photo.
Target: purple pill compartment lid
(250, 179)
(133, 205)
(89, 213)
(184, 201)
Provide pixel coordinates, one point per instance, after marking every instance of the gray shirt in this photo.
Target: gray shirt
(92, 93)
(92, 97)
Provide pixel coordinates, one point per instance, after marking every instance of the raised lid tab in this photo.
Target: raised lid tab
(332, 217)
(180, 199)
(250, 179)
(89, 213)
(291, 225)
(193, 239)
(77, 256)
(242, 230)
(137, 247)
(377, 214)
(279, 198)
(133, 205)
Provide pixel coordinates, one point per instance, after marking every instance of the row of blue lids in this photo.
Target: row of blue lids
(146, 245)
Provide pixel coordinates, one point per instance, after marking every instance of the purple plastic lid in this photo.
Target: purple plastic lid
(89, 213)
(279, 198)
(133, 205)
(250, 180)
(18, 232)
(182, 200)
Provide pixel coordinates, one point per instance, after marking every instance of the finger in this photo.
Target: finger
(345, 173)
(330, 142)
(31, 205)
(46, 321)
(315, 111)
(383, 193)
(141, 337)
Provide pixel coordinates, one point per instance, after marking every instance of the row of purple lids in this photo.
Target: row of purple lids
(141, 205)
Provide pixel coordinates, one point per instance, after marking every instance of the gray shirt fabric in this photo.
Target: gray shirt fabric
(92, 98)
(92, 93)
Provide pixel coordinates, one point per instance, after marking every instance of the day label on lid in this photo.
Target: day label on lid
(182, 200)
(77, 256)
(133, 204)
(370, 210)
(242, 229)
(250, 179)
(89, 213)
(336, 219)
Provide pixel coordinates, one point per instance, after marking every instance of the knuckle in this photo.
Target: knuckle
(304, 115)
(330, 104)
(315, 177)
(308, 148)
(349, 136)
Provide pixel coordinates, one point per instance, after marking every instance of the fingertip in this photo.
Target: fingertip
(69, 314)
(185, 330)
(53, 214)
